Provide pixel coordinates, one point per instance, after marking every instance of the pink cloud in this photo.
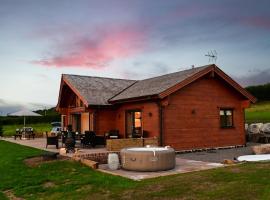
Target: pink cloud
(98, 50)
(259, 22)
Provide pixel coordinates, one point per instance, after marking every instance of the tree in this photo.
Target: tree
(261, 92)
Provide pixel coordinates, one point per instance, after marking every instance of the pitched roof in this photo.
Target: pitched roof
(156, 85)
(105, 91)
(97, 90)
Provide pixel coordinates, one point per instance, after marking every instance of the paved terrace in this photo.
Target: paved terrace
(40, 143)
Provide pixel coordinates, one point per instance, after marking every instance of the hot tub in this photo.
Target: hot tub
(148, 158)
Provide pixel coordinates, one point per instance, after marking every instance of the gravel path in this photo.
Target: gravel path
(218, 156)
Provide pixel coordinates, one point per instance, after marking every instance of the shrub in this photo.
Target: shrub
(1, 129)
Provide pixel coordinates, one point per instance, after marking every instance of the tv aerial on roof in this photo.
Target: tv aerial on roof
(212, 55)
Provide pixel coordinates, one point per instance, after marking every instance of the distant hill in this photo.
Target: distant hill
(261, 92)
(46, 112)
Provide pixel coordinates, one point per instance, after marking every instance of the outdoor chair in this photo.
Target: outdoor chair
(87, 138)
(52, 140)
(99, 140)
(30, 134)
(113, 134)
(90, 138)
(18, 134)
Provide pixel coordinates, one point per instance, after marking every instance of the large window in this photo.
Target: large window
(226, 118)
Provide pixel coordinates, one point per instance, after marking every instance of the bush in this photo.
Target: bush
(30, 120)
(1, 129)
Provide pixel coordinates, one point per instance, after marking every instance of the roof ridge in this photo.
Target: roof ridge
(137, 80)
(99, 77)
(204, 66)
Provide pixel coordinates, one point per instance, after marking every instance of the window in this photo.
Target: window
(226, 118)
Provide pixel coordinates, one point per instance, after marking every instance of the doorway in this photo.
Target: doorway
(76, 122)
(134, 124)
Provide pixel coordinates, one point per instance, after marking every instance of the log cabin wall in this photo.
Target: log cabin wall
(104, 120)
(150, 117)
(191, 119)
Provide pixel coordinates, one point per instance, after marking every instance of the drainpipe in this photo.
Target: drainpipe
(160, 124)
(244, 113)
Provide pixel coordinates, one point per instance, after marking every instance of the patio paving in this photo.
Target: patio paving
(40, 143)
(218, 155)
(182, 166)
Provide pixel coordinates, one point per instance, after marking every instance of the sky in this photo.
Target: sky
(131, 39)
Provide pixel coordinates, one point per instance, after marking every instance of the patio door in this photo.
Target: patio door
(76, 122)
(133, 123)
(84, 122)
(87, 122)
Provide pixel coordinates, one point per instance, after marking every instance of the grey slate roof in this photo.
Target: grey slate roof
(99, 91)
(156, 85)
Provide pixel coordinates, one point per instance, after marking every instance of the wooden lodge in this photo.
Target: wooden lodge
(196, 108)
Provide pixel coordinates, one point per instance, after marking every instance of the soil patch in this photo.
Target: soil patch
(10, 195)
(48, 184)
(35, 161)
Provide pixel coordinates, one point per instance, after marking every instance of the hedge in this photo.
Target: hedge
(30, 120)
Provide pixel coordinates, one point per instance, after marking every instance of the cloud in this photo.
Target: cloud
(97, 49)
(145, 69)
(255, 77)
(258, 22)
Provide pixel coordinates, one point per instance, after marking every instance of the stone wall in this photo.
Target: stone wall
(100, 158)
(118, 144)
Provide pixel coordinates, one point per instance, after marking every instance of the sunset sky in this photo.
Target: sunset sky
(133, 39)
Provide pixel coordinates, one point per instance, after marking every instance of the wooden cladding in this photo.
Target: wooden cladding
(192, 118)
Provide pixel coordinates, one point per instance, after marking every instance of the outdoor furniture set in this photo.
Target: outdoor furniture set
(88, 139)
(26, 133)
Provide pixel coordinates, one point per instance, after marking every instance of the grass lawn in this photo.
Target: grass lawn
(9, 130)
(71, 180)
(259, 112)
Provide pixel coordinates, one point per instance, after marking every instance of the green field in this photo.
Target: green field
(259, 112)
(71, 180)
(9, 130)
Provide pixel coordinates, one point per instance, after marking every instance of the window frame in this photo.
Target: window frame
(225, 110)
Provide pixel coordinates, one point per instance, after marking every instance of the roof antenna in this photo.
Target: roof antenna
(212, 56)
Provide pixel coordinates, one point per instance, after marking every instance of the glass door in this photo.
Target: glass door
(133, 124)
